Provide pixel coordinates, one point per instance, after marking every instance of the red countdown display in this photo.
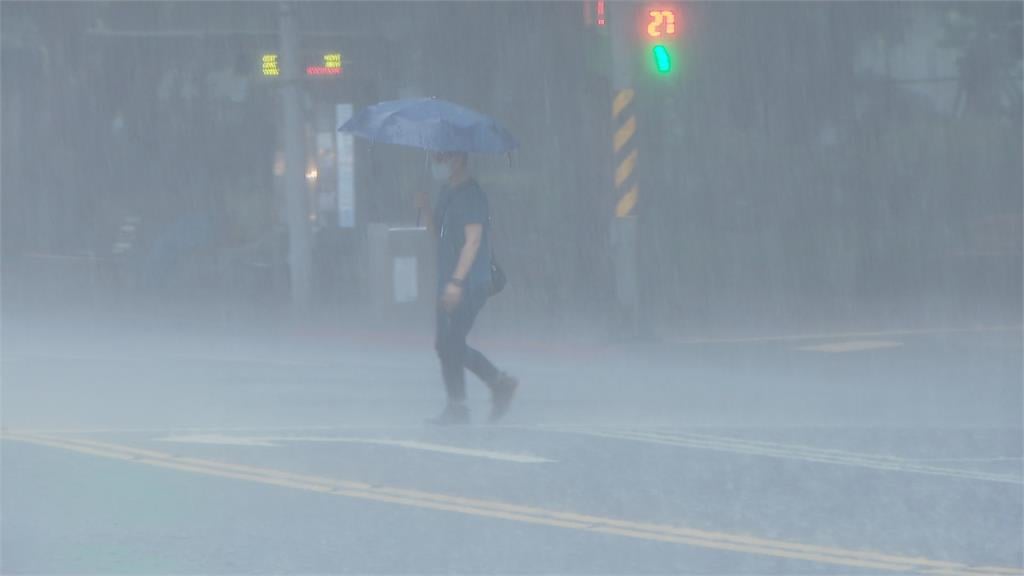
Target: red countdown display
(662, 22)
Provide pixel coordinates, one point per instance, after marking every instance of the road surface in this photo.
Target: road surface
(825, 454)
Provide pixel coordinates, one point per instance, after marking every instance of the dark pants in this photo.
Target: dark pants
(455, 354)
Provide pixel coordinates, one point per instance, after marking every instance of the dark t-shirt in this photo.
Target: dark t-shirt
(456, 208)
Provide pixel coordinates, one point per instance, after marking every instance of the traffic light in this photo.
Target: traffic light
(661, 22)
(661, 27)
(662, 60)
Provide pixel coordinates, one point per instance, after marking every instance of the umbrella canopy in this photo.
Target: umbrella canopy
(431, 124)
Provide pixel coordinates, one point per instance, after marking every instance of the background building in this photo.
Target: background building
(790, 178)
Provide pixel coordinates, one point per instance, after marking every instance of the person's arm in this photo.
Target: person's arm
(474, 232)
(453, 289)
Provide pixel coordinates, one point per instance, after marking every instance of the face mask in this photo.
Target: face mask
(441, 172)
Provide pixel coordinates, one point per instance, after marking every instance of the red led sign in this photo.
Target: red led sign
(661, 22)
(322, 71)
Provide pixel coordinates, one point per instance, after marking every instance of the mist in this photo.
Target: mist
(764, 279)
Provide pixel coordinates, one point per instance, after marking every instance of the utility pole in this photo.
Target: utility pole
(299, 250)
(623, 233)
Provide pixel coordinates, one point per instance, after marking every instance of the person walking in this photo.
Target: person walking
(460, 223)
(466, 272)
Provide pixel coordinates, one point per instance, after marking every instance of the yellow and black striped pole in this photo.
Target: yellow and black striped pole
(623, 232)
(624, 146)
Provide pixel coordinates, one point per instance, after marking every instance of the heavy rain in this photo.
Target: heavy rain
(519, 287)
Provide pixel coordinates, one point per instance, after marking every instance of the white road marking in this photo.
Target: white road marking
(833, 336)
(271, 441)
(679, 439)
(212, 429)
(218, 440)
(985, 459)
(790, 452)
(38, 356)
(852, 346)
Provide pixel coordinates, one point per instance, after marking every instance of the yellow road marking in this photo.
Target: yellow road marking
(624, 133)
(512, 512)
(622, 99)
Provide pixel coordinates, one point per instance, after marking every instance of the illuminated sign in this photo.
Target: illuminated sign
(661, 23)
(594, 13)
(662, 60)
(329, 65)
(270, 67)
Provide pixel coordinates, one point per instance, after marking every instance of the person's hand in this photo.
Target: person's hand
(452, 296)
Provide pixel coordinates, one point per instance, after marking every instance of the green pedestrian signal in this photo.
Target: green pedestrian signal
(662, 59)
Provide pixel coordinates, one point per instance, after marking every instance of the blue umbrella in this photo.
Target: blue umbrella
(431, 124)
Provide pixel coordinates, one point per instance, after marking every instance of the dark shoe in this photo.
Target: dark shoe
(502, 393)
(453, 415)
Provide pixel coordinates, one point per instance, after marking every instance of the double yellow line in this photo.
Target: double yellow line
(504, 511)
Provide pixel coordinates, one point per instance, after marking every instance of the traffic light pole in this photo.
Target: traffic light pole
(299, 249)
(623, 232)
